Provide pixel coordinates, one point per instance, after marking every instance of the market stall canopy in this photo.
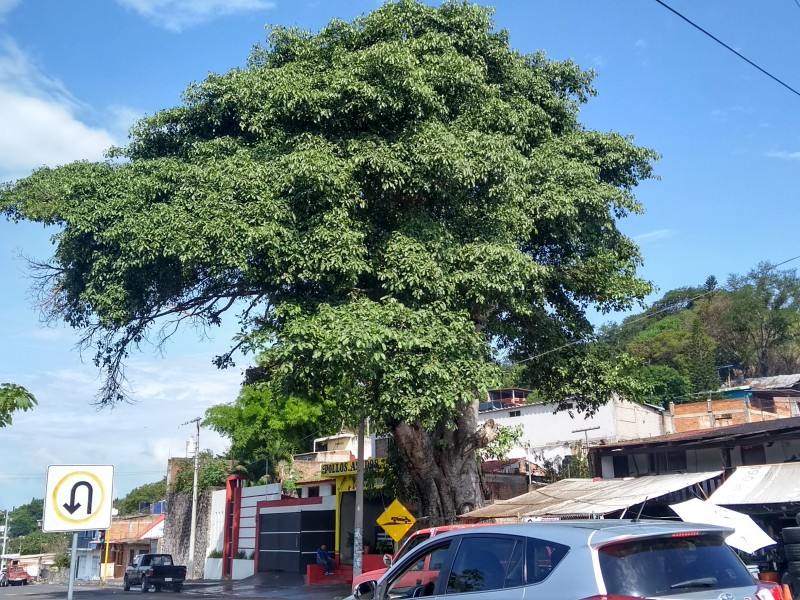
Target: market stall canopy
(760, 484)
(587, 497)
(747, 535)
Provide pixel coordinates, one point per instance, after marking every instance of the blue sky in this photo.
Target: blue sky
(75, 75)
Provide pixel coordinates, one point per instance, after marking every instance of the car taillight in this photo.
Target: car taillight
(151, 573)
(769, 591)
(686, 534)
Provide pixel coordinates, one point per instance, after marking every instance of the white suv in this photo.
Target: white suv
(569, 560)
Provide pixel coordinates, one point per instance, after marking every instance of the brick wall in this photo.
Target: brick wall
(719, 413)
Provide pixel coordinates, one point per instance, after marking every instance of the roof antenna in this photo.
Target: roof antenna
(641, 508)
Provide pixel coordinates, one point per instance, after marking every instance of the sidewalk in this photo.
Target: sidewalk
(268, 586)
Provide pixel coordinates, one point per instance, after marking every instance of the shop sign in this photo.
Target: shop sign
(349, 468)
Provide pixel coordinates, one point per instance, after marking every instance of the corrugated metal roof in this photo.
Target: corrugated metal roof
(760, 484)
(775, 382)
(587, 497)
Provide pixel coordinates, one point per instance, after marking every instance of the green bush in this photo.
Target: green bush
(215, 554)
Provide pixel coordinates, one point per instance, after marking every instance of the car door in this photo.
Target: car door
(485, 567)
(417, 575)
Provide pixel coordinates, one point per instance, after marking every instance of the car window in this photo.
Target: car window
(410, 582)
(412, 543)
(541, 557)
(671, 566)
(482, 563)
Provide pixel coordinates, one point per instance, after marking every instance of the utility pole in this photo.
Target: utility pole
(193, 526)
(5, 538)
(358, 529)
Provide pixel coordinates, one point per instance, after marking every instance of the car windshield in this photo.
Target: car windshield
(411, 544)
(669, 566)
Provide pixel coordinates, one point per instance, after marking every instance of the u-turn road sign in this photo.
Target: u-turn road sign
(78, 497)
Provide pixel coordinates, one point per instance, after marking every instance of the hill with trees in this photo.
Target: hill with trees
(693, 338)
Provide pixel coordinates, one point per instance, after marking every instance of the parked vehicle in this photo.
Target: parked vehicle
(154, 571)
(568, 560)
(414, 540)
(16, 574)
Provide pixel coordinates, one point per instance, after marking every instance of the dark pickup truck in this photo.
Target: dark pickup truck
(154, 571)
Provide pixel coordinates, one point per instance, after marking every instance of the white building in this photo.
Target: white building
(547, 434)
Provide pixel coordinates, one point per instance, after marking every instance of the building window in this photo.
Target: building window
(514, 413)
(665, 462)
(621, 468)
(313, 492)
(754, 455)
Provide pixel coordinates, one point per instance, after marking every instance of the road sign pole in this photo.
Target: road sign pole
(72, 562)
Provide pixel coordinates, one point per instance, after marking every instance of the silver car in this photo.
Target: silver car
(572, 560)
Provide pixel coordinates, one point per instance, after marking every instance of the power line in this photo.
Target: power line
(797, 2)
(723, 44)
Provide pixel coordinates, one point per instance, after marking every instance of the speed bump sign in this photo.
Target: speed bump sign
(78, 497)
(396, 520)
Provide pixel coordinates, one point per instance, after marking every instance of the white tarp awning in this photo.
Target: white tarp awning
(747, 535)
(760, 484)
(588, 497)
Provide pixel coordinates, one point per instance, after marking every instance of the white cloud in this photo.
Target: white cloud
(6, 6)
(177, 15)
(723, 114)
(40, 123)
(784, 155)
(598, 60)
(640, 49)
(653, 236)
(137, 438)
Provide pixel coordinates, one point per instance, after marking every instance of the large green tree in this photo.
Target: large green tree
(265, 427)
(397, 203)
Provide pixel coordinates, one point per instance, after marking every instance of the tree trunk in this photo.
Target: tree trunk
(441, 464)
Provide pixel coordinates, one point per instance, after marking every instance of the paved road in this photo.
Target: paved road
(254, 587)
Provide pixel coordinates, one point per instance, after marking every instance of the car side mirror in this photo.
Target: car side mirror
(387, 560)
(365, 590)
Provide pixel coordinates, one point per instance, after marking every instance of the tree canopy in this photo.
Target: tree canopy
(683, 342)
(14, 398)
(147, 493)
(398, 205)
(265, 427)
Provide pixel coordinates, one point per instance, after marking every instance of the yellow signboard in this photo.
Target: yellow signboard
(396, 521)
(343, 469)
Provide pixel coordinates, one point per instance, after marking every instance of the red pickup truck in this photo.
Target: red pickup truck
(17, 575)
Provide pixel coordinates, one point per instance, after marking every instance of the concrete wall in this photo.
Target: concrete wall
(216, 524)
(548, 434)
(251, 496)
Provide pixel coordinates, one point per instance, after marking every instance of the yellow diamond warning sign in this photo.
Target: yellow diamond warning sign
(396, 521)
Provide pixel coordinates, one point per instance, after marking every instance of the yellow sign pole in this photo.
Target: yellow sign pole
(105, 560)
